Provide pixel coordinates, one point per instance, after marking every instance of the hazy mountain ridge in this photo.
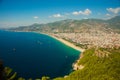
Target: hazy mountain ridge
(69, 25)
(88, 32)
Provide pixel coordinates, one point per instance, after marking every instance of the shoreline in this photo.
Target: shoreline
(74, 65)
(59, 39)
(66, 43)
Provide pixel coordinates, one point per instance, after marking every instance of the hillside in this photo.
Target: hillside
(69, 25)
(84, 33)
(115, 22)
(98, 64)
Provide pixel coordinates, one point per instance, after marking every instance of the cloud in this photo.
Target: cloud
(76, 13)
(56, 16)
(108, 14)
(85, 12)
(35, 17)
(114, 10)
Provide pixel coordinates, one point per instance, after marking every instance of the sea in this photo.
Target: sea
(33, 55)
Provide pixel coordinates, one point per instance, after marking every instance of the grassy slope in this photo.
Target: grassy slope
(97, 68)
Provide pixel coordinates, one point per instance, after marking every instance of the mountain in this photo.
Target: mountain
(96, 62)
(84, 33)
(70, 25)
(114, 22)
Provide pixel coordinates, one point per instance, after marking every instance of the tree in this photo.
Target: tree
(2, 74)
(45, 78)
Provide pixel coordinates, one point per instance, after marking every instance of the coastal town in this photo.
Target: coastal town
(82, 33)
(99, 39)
(59, 39)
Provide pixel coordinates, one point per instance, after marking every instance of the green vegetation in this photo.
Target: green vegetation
(97, 67)
(7, 73)
(77, 44)
(99, 64)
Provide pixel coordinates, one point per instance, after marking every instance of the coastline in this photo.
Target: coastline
(66, 42)
(75, 64)
(59, 39)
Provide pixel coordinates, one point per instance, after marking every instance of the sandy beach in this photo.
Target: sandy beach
(67, 43)
(64, 42)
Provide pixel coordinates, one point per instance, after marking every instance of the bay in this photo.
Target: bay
(33, 55)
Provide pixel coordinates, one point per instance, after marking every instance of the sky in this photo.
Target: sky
(14, 13)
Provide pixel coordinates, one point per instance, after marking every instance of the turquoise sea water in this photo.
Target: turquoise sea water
(34, 55)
